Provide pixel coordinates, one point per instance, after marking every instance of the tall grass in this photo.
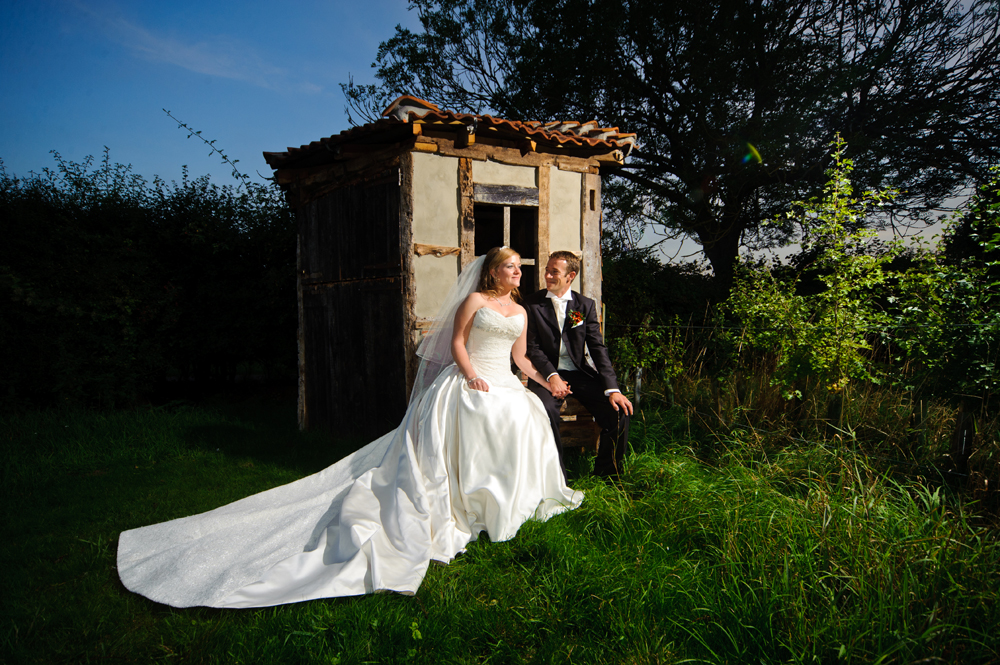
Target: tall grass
(737, 403)
(801, 553)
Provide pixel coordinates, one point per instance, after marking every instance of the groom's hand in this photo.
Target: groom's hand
(619, 401)
(558, 387)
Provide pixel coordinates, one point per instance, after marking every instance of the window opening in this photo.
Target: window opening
(513, 226)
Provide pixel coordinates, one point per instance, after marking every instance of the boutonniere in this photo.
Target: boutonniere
(575, 317)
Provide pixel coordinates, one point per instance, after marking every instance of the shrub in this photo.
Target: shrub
(109, 283)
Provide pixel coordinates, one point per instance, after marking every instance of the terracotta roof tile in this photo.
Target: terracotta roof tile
(396, 120)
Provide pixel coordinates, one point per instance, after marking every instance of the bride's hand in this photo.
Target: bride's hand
(478, 384)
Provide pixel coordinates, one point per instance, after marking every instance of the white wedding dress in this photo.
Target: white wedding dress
(462, 461)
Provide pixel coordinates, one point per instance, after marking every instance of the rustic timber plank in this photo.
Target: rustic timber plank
(467, 221)
(347, 178)
(542, 250)
(420, 249)
(352, 232)
(303, 413)
(584, 435)
(507, 195)
(422, 146)
(407, 272)
(483, 150)
(578, 429)
(576, 165)
(464, 137)
(365, 156)
(356, 365)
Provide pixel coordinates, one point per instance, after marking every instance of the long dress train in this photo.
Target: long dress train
(460, 462)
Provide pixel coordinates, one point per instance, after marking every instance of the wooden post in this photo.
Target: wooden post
(302, 411)
(542, 250)
(406, 246)
(467, 221)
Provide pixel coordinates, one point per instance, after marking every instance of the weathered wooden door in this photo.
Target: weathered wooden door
(352, 365)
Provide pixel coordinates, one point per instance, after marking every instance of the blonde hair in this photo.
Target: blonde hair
(487, 281)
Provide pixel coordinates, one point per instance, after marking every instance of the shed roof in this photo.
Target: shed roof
(401, 120)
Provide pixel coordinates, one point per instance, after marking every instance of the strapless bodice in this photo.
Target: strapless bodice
(490, 340)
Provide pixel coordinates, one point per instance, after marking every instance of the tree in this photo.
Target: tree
(734, 101)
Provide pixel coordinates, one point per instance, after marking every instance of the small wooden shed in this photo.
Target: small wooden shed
(389, 212)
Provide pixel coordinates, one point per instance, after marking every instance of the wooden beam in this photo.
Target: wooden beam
(467, 221)
(421, 146)
(303, 412)
(508, 195)
(363, 156)
(488, 149)
(410, 334)
(420, 249)
(542, 250)
(613, 157)
(464, 137)
(577, 165)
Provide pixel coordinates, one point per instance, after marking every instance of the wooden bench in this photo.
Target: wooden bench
(578, 429)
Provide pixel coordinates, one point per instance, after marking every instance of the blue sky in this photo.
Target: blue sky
(78, 75)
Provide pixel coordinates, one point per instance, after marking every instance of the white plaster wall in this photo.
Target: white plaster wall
(435, 200)
(494, 173)
(435, 222)
(435, 276)
(565, 228)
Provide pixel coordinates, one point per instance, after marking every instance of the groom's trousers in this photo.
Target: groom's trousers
(613, 424)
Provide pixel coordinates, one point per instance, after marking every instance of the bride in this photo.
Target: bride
(473, 453)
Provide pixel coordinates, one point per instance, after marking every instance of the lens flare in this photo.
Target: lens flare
(753, 155)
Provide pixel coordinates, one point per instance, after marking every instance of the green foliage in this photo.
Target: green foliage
(651, 346)
(646, 303)
(947, 311)
(109, 283)
(823, 336)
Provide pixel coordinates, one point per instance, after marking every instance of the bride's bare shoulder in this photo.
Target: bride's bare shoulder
(471, 303)
(476, 298)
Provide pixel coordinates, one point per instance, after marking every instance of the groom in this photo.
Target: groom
(565, 344)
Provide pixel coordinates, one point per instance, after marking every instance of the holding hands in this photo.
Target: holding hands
(558, 387)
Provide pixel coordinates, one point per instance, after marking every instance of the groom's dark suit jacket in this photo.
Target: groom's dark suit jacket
(585, 344)
(544, 335)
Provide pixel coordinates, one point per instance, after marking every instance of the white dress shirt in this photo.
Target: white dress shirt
(559, 303)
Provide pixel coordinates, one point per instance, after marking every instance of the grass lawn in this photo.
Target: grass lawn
(804, 555)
